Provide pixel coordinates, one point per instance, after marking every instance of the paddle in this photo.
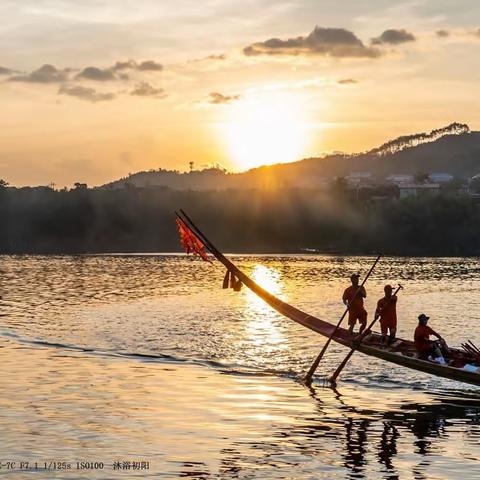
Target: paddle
(358, 341)
(471, 350)
(308, 377)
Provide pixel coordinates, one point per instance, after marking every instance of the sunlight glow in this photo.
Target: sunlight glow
(267, 278)
(263, 331)
(265, 130)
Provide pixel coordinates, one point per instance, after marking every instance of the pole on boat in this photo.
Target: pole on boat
(186, 219)
(308, 377)
(357, 343)
(471, 349)
(202, 236)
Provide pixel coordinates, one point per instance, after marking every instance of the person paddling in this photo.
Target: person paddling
(354, 302)
(387, 312)
(426, 348)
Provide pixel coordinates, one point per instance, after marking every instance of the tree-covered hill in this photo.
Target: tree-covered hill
(453, 149)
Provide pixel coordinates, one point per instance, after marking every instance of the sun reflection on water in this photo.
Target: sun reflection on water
(267, 278)
(262, 329)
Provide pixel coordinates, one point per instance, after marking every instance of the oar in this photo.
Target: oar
(474, 353)
(474, 346)
(308, 377)
(468, 348)
(358, 341)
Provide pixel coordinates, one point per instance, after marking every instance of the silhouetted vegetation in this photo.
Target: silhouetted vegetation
(454, 150)
(42, 220)
(409, 141)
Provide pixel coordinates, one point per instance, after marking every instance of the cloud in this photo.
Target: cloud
(116, 71)
(145, 66)
(6, 71)
(347, 81)
(84, 93)
(208, 58)
(150, 66)
(333, 42)
(222, 56)
(442, 33)
(50, 74)
(45, 74)
(220, 99)
(126, 65)
(144, 89)
(96, 74)
(393, 36)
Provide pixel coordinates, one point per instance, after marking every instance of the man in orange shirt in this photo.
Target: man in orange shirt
(428, 349)
(387, 311)
(354, 302)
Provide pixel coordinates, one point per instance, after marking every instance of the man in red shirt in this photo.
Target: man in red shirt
(425, 347)
(387, 311)
(354, 302)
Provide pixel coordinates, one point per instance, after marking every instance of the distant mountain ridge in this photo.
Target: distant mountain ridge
(408, 141)
(453, 149)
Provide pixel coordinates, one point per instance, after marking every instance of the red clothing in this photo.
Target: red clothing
(354, 302)
(360, 315)
(422, 338)
(387, 310)
(356, 310)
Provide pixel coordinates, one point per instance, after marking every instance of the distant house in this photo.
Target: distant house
(417, 189)
(475, 178)
(398, 179)
(359, 178)
(440, 177)
(473, 186)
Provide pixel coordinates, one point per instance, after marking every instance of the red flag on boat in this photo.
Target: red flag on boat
(190, 242)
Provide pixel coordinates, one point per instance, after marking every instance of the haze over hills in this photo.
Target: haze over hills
(244, 215)
(453, 149)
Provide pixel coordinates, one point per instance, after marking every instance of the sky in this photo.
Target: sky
(92, 91)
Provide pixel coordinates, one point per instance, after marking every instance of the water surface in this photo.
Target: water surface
(109, 358)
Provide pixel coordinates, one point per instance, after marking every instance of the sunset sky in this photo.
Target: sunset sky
(93, 90)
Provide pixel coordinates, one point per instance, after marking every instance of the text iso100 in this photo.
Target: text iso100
(90, 465)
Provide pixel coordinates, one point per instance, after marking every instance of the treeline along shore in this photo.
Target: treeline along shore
(290, 220)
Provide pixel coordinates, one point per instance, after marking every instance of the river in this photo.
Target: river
(141, 366)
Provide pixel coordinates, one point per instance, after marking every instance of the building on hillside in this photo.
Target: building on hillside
(473, 186)
(440, 177)
(400, 179)
(359, 178)
(475, 178)
(418, 189)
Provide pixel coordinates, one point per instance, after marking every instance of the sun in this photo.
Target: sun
(265, 130)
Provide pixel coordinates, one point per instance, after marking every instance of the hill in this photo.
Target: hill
(453, 149)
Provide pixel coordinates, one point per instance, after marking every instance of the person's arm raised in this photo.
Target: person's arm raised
(435, 334)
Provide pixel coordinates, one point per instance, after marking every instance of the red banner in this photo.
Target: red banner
(190, 242)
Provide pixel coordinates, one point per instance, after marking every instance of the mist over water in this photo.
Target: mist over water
(146, 355)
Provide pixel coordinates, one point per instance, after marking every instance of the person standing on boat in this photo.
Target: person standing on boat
(426, 348)
(354, 302)
(387, 312)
